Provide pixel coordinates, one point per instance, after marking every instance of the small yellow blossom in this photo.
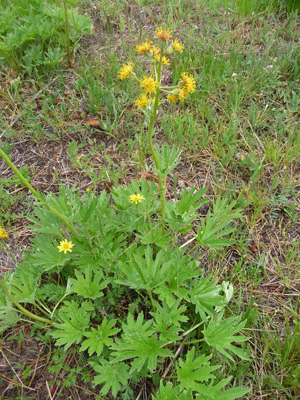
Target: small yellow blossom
(144, 47)
(142, 101)
(163, 34)
(149, 84)
(177, 46)
(136, 198)
(65, 246)
(182, 94)
(125, 70)
(165, 60)
(3, 233)
(88, 189)
(188, 83)
(155, 50)
(172, 98)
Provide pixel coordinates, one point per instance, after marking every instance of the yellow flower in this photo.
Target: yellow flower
(163, 34)
(177, 46)
(125, 70)
(155, 50)
(172, 98)
(136, 198)
(188, 83)
(3, 233)
(144, 47)
(65, 246)
(182, 94)
(165, 60)
(142, 101)
(149, 84)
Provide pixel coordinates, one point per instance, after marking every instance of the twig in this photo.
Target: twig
(34, 98)
(50, 395)
(175, 357)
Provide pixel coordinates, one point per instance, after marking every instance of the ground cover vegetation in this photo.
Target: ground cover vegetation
(149, 199)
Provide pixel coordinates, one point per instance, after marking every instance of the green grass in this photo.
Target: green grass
(239, 132)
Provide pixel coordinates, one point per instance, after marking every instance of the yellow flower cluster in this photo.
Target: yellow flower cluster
(186, 86)
(163, 34)
(159, 54)
(125, 71)
(177, 46)
(142, 101)
(149, 84)
(3, 233)
(145, 47)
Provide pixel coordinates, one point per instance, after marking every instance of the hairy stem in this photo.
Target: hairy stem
(21, 308)
(150, 140)
(38, 195)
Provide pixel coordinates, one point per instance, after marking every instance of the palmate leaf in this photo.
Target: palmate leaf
(136, 328)
(99, 337)
(90, 283)
(212, 231)
(8, 314)
(216, 392)
(46, 254)
(169, 392)
(168, 320)
(111, 375)
(24, 286)
(220, 333)
(206, 295)
(154, 236)
(47, 223)
(149, 191)
(193, 371)
(168, 159)
(142, 271)
(76, 321)
(177, 281)
(142, 349)
(138, 341)
(190, 201)
(182, 214)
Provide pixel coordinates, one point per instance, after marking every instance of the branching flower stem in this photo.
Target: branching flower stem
(150, 140)
(38, 195)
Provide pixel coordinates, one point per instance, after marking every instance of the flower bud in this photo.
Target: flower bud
(153, 60)
(175, 92)
(169, 50)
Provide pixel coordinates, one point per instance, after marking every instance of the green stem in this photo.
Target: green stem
(185, 334)
(192, 249)
(43, 311)
(67, 34)
(9, 251)
(38, 195)
(150, 139)
(142, 159)
(194, 341)
(152, 301)
(21, 308)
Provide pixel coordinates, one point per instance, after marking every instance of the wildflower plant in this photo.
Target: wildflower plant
(105, 279)
(158, 54)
